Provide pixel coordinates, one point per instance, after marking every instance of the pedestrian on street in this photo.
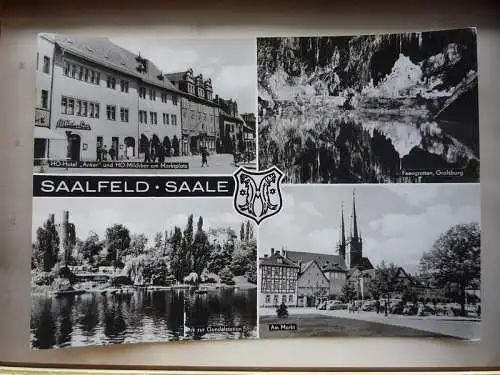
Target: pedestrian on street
(147, 157)
(204, 155)
(105, 153)
(99, 152)
(377, 306)
(112, 153)
(386, 307)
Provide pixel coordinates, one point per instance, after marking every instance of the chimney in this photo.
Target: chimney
(65, 217)
(272, 251)
(52, 218)
(265, 255)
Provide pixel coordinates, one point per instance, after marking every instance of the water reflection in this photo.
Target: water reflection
(221, 314)
(141, 316)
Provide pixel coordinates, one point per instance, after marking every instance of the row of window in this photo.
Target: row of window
(198, 91)
(287, 286)
(168, 119)
(79, 107)
(81, 73)
(151, 93)
(85, 74)
(276, 299)
(279, 272)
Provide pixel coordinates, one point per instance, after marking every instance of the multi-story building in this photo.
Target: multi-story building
(230, 126)
(199, 113)
(101, 96)
(278, 277)
(249, 132)
(312, 284)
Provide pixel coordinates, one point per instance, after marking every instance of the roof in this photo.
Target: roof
(102, 51)
(176, 77)
(273, 260)
(305, 266)
(365, 264)
(327, 260)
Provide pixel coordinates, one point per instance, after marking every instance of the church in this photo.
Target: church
(319, 275)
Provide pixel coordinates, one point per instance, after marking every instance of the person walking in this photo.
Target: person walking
(377, 306)
(99, 152)
(204, 155)
(112, 153)
(105, 153)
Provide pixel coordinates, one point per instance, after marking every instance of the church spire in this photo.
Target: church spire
(342, 226)
(354, 218)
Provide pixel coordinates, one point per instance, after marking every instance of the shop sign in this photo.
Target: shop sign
(69, 124)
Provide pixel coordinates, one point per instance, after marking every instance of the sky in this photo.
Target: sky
(398, 222)
(139, 215)
(231, 63)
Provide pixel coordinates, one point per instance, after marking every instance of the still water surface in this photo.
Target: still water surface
(142, 316)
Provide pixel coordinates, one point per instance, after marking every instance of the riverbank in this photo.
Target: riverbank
(241, 283)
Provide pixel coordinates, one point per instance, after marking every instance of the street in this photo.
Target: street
(217, 164)
(458, 327)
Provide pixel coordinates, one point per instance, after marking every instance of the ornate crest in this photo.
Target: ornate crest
(257, 194)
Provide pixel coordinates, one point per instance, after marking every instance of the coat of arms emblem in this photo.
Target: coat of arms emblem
(257, 195)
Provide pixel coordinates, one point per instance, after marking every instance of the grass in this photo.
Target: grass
(322, 326)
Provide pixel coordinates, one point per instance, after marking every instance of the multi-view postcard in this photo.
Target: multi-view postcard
(228, 189)
(370, 108)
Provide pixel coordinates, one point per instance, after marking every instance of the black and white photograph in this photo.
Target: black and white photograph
(111, 271)
(139, 101)
(385, 108)
(382, 260)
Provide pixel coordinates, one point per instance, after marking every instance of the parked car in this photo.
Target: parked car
(369, 305)
(410, 309)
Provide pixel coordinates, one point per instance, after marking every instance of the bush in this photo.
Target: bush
(43, 278)
(282, 311)
(226, 276)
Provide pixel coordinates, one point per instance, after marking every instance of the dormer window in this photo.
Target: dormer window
(279, 261)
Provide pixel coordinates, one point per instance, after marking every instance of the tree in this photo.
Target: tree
(226, 276)
(201, 249)
(137, 244)
(187, 243)
(249, 232)
(242, 232)
(91, 247)
(386, 281)
(117, 240)
(178, 256)
(47, 246)
(348, 292)
(454, 259)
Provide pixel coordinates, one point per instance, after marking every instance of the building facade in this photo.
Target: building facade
(311, 285)
(249, 132)
(103, 97)
(278, 280)
(230, 127)
(199, 113)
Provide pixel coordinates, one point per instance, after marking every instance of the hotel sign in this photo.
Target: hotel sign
(42, 118)
(68, 124)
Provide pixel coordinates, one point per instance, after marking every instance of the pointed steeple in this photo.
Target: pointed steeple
(342, 226)
(354, 218)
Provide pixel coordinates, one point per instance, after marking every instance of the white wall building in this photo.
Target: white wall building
(100, 96)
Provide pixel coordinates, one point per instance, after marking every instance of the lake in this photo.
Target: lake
(142, 316)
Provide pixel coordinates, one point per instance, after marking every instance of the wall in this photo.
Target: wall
(210, 19)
